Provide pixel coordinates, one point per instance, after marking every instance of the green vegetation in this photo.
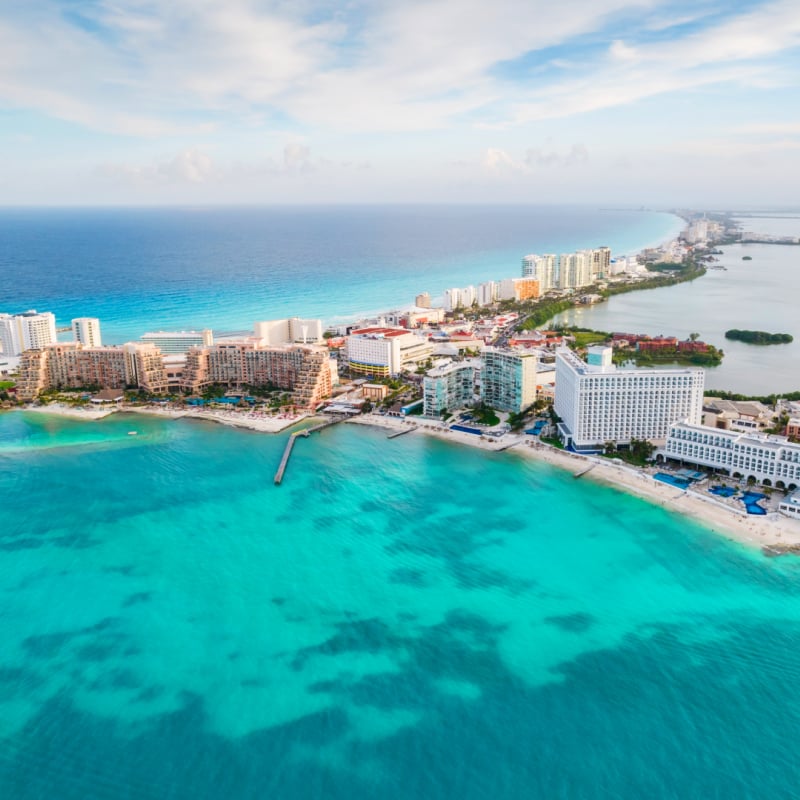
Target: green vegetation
(767, 399)
(585, 337)
(711, 358)
(758, 337)
(6, 385)
(638, 452)
(682, 275)
(542, 311)
(485, 415)
(553, 442)
(517, 421)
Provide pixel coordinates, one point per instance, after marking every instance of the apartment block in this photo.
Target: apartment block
(86, 330)
(508, 379)
(448, 386)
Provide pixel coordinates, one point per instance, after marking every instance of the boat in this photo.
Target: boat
(133, 433)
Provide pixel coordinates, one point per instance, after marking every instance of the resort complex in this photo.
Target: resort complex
(470, 365)
(598, 402)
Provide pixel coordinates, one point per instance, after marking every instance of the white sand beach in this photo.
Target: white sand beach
(74, 412)
(251, 420)
(720, 517)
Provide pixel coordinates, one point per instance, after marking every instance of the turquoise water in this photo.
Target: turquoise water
(404, 618)
(225, 268)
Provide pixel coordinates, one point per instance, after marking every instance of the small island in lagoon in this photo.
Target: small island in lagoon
(758, 337)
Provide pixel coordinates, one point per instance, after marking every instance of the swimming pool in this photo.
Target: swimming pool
(665, 477)
(750, 500)
(723, 491)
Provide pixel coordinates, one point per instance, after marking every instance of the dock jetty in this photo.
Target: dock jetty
(400, 433)
(287, 452)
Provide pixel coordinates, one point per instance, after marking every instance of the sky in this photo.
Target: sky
(616, 102)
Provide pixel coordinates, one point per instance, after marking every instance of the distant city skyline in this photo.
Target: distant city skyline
(611, 102)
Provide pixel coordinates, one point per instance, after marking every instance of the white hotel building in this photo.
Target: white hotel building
(599, 402)
(27, 331)
(761, 456)
(86, 331)
(178, 342)
(385, 351)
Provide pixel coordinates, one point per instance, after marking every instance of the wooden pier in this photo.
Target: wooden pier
(582, 472)
(400, 433)
(287, 452)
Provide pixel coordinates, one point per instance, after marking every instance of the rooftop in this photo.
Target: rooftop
(380, 333)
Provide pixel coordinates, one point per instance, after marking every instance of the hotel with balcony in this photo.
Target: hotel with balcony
(599, 402)
(763, 457)
(448, 386)
(508, 378)
(73, 366)
(303, 370)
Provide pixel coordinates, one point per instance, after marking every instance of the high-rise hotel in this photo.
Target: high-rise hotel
(599, 402)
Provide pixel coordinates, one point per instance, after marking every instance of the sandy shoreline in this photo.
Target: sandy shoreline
(699, 505)
(721, 518)
(255, 421)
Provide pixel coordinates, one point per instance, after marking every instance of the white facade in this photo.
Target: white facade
(178, 342)
(542, 268)
(790, 505)
(749, 454)
(287, 331)
(507, 289)
(469, 295)
(452, 299)
(385, 351)
(27, 331)
(487, 293)
(598, 402)
(86, 330)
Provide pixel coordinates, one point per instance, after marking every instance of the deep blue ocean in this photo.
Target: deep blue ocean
(401, 618)
(167, 269)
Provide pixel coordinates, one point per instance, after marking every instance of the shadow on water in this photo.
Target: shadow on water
(653, 718)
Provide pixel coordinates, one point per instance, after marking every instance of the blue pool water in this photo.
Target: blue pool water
(750, 500)
(672, 480)
(723, 491)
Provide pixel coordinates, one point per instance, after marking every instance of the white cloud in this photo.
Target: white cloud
(536, 157)
(497, 159)
(296, 156)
